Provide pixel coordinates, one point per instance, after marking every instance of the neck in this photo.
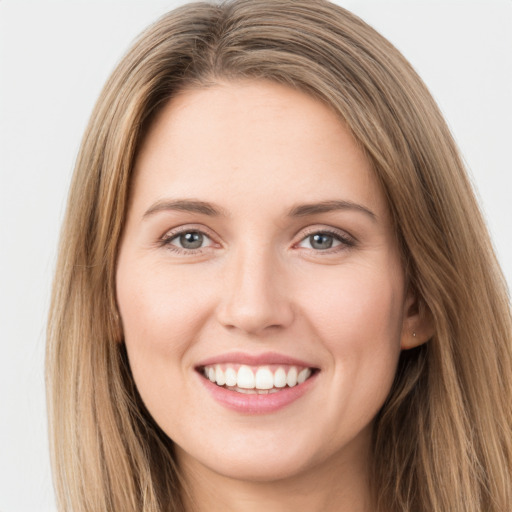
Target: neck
(339, 484)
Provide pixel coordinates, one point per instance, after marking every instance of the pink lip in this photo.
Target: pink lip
(254, 403)
(254, 359)
(257, 404)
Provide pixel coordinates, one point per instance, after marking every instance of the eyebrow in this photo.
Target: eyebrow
(185, 205)
(329, 206)
(302, 210)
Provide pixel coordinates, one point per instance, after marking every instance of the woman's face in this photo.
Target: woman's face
(259, 250)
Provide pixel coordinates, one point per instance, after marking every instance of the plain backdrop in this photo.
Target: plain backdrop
(54, 59)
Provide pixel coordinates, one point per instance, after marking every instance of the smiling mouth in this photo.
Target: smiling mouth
(259, 380)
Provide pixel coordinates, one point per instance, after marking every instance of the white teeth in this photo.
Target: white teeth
(280, 378)
(291, 378)
(303, 375)
(252, 391)
(245, 378)
(246, 391)
(220, 378)
(261, 380)
(230, 376)
(264, 378)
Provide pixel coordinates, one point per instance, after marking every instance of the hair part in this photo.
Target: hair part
(443, 439)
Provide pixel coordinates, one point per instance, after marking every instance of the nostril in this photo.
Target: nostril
(255, 304)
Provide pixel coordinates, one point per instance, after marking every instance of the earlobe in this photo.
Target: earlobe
(418, 325)
(411, 340)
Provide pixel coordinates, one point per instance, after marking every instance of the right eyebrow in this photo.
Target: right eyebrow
(185, 205)
(303, 210)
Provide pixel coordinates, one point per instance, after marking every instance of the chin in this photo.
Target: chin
(257, 469)
(263, 458)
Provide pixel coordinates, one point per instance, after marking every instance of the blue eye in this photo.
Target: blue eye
(322, 241)
(188, 240)
(192, 240)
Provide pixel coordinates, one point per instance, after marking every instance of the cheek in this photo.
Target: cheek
(362, 304)
(161, 320)
(359, 322)
(162, 313)
(159, 308)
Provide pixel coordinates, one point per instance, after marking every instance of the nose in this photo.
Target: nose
(254, 298)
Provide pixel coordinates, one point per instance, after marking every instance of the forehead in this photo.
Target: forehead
(253, 139)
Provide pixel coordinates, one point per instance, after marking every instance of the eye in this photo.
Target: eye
(190, 240)
(325, 240)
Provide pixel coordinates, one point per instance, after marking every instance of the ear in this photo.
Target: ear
(417, 325)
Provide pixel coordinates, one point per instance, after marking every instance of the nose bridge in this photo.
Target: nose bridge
(255, 298)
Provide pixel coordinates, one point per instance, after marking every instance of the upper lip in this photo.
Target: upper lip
(254, 359)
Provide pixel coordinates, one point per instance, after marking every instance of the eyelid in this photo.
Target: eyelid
(323, 228)
(171, 234)
(347, 240)
(311, 230)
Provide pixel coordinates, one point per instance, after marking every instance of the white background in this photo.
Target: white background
(54, 59)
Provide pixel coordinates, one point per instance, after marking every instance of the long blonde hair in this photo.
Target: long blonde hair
(443, 440)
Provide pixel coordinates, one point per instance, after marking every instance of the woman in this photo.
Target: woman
(275, 289)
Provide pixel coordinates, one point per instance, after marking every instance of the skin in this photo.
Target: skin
(256, 150)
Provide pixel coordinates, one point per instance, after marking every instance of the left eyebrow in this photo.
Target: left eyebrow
(185, 205)
(328, 206)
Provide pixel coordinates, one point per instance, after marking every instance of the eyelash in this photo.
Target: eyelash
(346, 241)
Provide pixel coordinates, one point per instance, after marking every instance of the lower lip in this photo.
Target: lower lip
(254, 403)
